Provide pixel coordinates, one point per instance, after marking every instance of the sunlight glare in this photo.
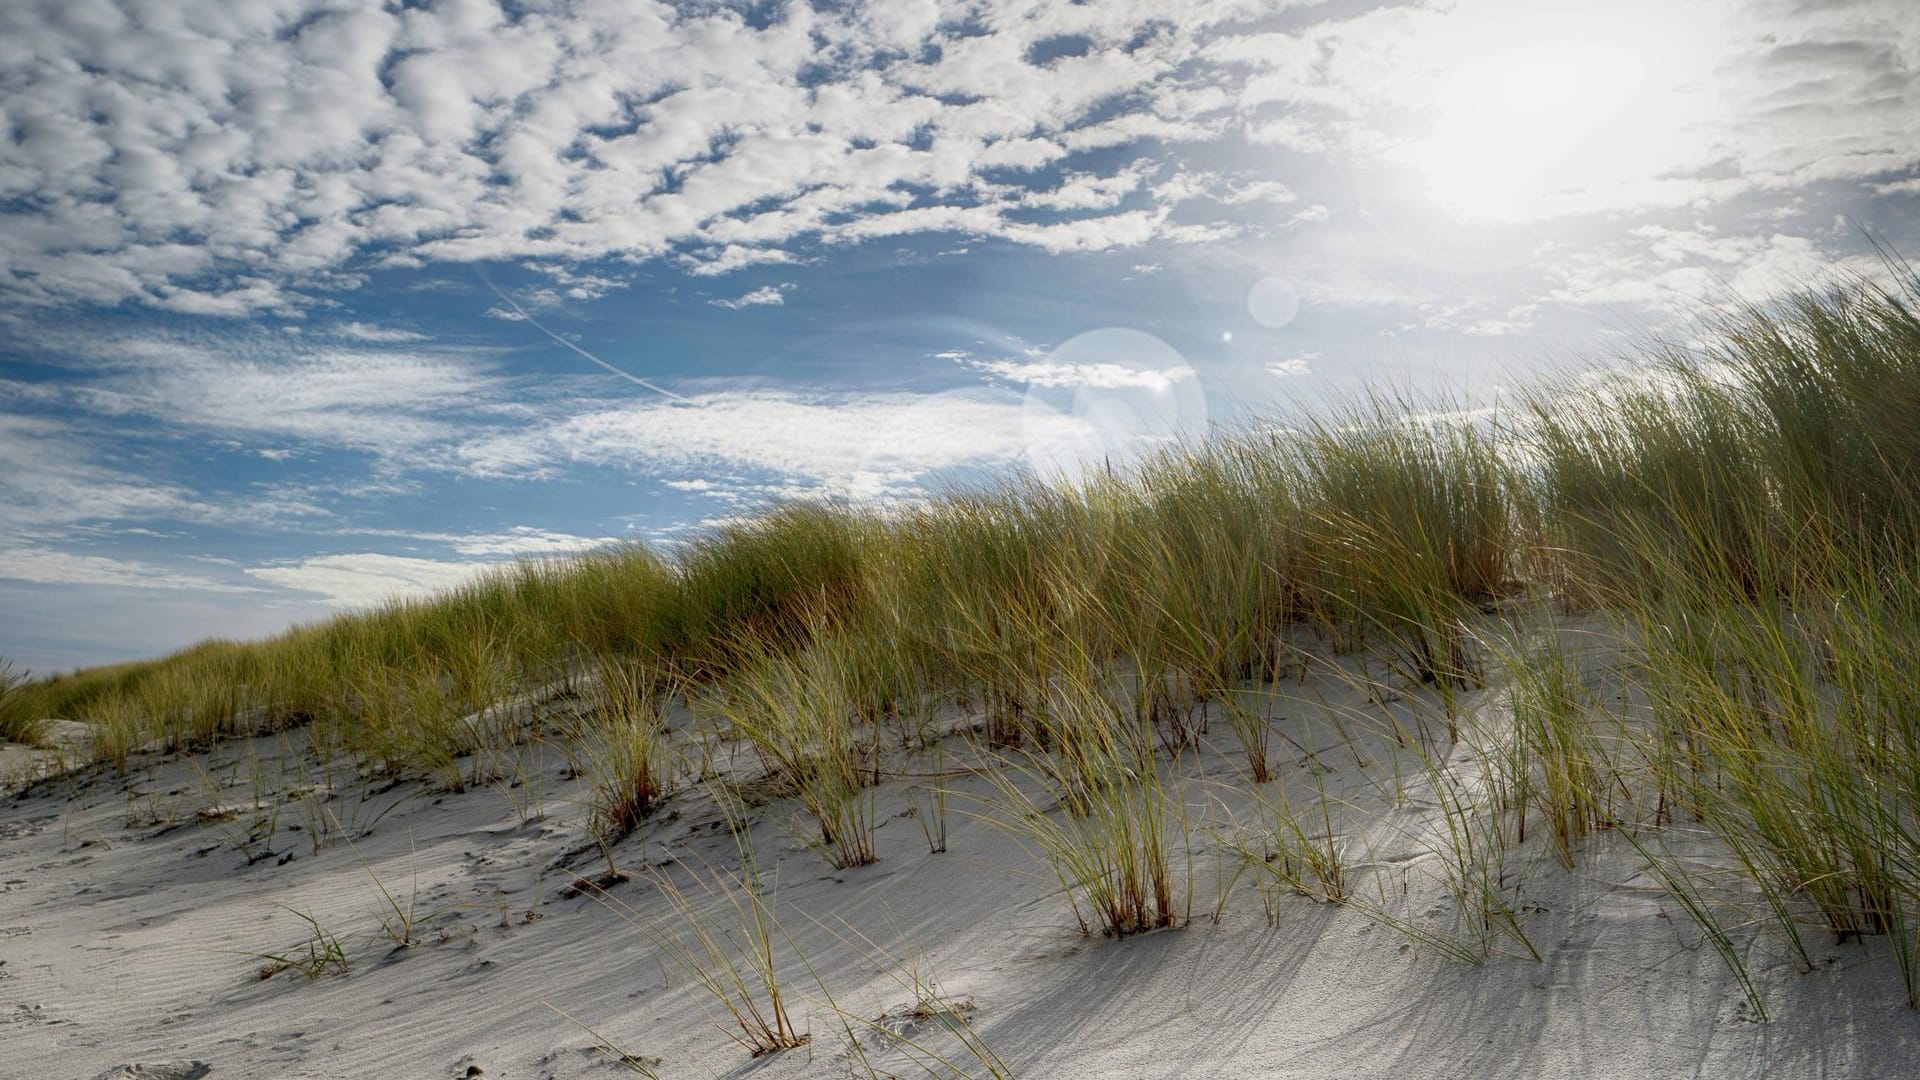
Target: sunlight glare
(1536, 111)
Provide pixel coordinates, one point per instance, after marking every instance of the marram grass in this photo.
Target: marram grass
(1742, 516)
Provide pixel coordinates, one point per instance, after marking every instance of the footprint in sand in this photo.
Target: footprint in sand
(159, 1070)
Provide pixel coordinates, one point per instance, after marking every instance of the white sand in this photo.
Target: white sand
(130, 924)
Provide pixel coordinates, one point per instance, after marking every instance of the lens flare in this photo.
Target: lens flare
(1273, 302)
(1126, 392)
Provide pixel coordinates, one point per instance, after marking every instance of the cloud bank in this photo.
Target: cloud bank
(218, 158)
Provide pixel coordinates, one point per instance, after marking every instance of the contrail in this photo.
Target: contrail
(635, 379)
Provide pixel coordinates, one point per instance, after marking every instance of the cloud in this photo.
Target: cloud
(362, 579)
(1187, 184)
(725, 259)
(359, 579)
(1099, 375)
(1674, 270)
(51, 476)
(1512, 109)
(858, 444)
(1517, 320)
(48, 566)
(572, 285)
(520, 540)
(1469, 316)
(524, 540)
(380, 335)
(389, 401)
(1086, 190)
(1293, 366)
(765, 296)
(189, 158)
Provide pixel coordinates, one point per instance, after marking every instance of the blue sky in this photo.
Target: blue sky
(306, 303)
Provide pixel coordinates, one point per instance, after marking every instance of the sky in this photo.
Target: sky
(308, 303)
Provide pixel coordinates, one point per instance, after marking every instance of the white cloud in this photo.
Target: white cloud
(1187, 184)
(850, 443)
(1293, 366)
(710, 262)
(192, 158)
(1087, 191)
(50, 476)
(366, 578)
(381, 335)
(1100, 375)
(1675, 270)
(388, 401)
(526, 540)
(520, 540)
(1517, 320)
(1471, 317)
(49, 566)
(572, 285)
(764, 296)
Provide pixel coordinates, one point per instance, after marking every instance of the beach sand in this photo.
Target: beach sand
(135, 914)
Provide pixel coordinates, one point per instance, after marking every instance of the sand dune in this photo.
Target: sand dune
(133, 928)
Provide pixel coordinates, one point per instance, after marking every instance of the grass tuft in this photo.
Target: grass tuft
(20, 719)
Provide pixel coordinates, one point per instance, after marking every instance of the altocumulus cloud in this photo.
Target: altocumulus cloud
(225, 158)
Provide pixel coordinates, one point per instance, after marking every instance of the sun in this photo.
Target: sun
(1534, 112)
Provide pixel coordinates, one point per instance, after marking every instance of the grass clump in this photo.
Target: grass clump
(622, 750)
(798, 711)
(1554, 764)
(910, 1030)
(733, 960)
(1410, 529)
(771, 581)
(1749, 513)
(1799, 750)
(319, 954)
(1116, 831)
(20, 719)
(1298, 849)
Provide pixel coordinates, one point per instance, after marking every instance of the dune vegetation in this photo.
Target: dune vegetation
(20, 719)
(1735, 525)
